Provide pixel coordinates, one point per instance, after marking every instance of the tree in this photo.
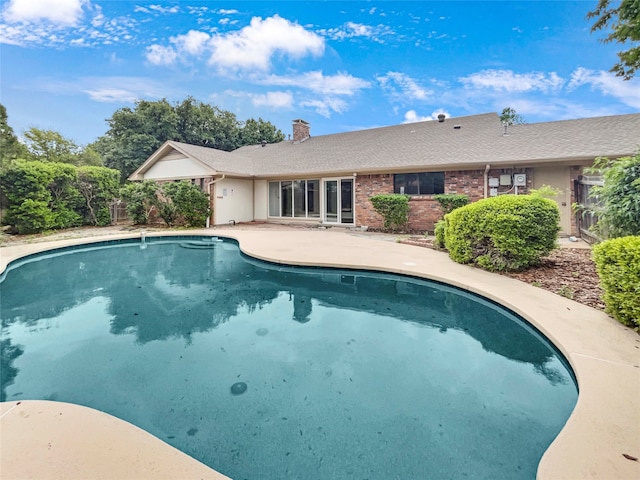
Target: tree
(206, 125)
(254, 132)
(188, 202)
(134, 134)
(624, 22)
(98, 186)
(51, 195)
(619, 215)
(50, 146)
(510, 117)
(89, 157)
(141, 198)
(10, 147)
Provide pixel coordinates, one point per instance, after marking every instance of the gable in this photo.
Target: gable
(174, 165)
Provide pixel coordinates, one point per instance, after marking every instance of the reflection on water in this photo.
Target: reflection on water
(167, 292)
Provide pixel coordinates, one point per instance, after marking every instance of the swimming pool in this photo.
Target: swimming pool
(347, 374)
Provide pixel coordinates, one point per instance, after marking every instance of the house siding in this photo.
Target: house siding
(424, 211)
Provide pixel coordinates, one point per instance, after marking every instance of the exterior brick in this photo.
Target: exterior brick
(424, 211)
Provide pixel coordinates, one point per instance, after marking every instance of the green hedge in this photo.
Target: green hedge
(618, 265)
(394, 208)
(48, 195)
(450, 201)
(439, 234)
(509, 232)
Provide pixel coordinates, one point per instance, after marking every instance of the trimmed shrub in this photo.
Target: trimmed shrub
(618, 265)
(619, 214)
(141, 199)
(31, 216)
(185, 200)
(439, 234)
(66, 192)
(394, 208)
(450, 201)
(98, 187)
(509, 232)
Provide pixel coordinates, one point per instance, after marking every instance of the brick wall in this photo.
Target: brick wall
(424, 211)
(367, 186)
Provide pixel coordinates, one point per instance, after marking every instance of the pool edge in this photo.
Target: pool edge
(604, 355)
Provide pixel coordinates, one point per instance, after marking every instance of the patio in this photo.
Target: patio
(604, 355)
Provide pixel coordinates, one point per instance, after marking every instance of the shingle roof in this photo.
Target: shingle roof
(456, 143)
(219, 160)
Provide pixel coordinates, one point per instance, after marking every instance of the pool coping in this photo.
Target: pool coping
(604, 355)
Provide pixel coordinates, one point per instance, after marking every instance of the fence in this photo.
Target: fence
(118, 212)
(587, 216)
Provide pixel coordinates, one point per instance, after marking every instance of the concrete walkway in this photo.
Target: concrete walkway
(605, 357)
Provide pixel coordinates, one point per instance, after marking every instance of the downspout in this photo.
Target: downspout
(486, 180)
(209, 192)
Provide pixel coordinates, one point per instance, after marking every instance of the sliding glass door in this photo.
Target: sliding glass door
(339, 201)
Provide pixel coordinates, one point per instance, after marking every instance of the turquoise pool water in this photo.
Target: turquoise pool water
(270, 372)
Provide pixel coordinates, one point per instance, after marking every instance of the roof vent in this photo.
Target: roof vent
(457, 127)
(263, 143)
(441, 117)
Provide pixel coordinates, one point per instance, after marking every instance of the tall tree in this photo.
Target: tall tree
(619, 212)
(50, 146)
(206, 125)
(134, 134)
(10, 146)
(258, 131)
(623, 19)
(510, 117)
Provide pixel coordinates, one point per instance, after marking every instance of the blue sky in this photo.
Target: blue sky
(68, 65)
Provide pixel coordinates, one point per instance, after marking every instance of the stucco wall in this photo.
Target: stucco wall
(232, 200)
(261, 200)
(172, 167)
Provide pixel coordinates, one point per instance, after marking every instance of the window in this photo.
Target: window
(428, 183)
(298, 198)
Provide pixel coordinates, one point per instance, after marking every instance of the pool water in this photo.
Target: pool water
(270, 372)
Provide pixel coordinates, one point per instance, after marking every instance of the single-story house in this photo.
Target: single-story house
(329, 179)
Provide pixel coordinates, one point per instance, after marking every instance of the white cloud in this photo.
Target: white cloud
(412, 116)
(254, 46)
(88, 32)
(222, 11)
(316, 81)
(103, 89)
(325, 106)
(112, 95)
(626, 91)
(353, 30)
(59, 12)
(508, 81)
(403, 88)
(193, 43)
(159, 55)
(161, 9)
(273, 99)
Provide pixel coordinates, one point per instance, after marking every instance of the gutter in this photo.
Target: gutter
(486, 180)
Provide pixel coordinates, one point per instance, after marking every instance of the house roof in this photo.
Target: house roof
(211, 159)
(456, 143)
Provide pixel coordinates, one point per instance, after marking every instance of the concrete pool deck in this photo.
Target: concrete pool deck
(43, 440)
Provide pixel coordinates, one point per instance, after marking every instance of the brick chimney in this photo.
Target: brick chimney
(301, 131)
